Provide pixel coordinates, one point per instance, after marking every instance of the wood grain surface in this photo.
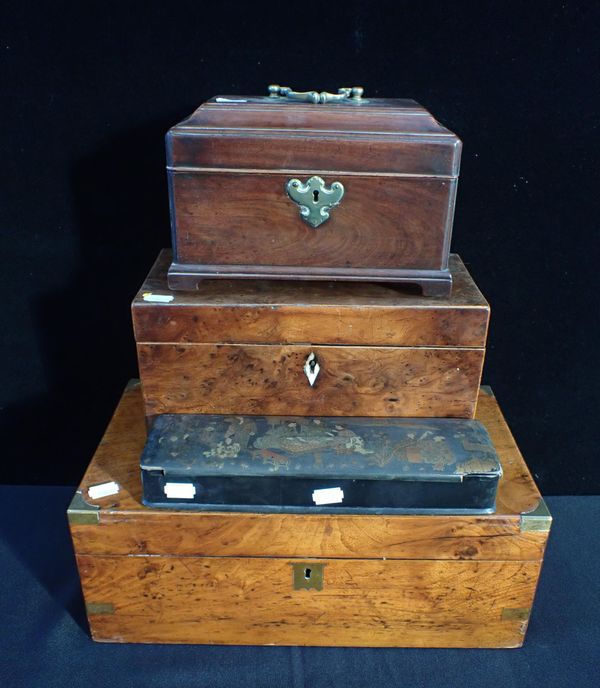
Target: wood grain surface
(417, 603)
(248, 219)
(229, 163)
(270, 380)
(378, 116)
(127, 527)
(322, 154)
(260, 312)
(187, 367)
(225, 578)
(189, 276)
(382, 136)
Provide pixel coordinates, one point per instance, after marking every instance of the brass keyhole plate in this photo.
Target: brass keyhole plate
(315, 198)
(308, 575)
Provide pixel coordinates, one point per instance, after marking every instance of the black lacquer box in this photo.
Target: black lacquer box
(324, 465)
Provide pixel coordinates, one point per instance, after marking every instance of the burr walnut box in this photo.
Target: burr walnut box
(175, 576)
(312, 186)
(298, 348)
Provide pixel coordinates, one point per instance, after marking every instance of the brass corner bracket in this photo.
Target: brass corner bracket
(82, 513)
(538, 520)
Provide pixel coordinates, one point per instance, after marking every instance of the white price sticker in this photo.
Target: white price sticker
(180, 490)
(157, 298)
(328, 495)
(103, 490)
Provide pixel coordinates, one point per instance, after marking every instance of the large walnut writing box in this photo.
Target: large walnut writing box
(309, 348)
(355, 189)
(160, 576)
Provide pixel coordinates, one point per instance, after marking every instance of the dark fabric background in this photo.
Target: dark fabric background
(89, 89)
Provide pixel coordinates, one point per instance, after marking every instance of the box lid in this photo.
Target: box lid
(338, 465)
(296, 312)
(517, 530)
(370, 135)
(436, 449)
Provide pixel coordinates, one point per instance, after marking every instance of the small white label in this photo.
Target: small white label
(230, 100)
(180, 490)
(328, 495)
(157, 298)
(103, 490)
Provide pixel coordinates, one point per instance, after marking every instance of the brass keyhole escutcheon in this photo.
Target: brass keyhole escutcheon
(308, 576)
(315, 198)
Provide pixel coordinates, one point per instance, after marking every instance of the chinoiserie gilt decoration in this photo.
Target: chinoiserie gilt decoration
(315, 199)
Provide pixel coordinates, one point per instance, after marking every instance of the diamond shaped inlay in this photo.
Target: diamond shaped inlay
(312, 368)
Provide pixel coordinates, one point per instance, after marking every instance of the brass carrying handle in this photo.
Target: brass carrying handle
(353, 94)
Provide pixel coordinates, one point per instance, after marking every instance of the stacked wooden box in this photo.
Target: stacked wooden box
(240, 346)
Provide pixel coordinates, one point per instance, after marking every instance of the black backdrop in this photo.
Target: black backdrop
(89, 89)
